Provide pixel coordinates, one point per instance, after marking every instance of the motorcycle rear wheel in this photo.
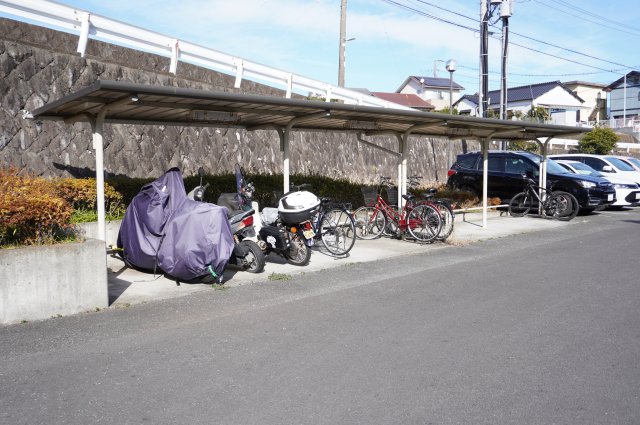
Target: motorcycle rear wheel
(254, 261)
(298, 253)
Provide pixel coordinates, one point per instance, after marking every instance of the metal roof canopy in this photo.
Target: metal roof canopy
(120, 102)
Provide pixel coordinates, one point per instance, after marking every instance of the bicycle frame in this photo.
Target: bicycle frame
(322, 211)
(399, 218)
(540, 194)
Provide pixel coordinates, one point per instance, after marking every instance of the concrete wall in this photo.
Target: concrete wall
(46, 281)
(90, 231)
(39, 65)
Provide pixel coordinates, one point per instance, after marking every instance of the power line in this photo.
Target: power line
(599, 17)
(429, 15)
(549, 75)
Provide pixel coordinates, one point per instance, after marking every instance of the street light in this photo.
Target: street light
(343, 48)
(451, 67)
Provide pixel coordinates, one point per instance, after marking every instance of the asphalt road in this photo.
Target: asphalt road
(542, 328)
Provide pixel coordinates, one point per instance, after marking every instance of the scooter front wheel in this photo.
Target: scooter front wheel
(254, 260)
(298, 253)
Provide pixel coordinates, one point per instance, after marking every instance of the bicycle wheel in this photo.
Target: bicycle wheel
(447, 217)
(562, 206)
(520, 204)
(338, 232)
(369, 222)
(424, 223)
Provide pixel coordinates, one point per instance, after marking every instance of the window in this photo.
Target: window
(595, 163)
(515, 166)
(496, 163)
(468, 162)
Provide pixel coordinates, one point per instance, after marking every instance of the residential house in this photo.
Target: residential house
(432, 89)
(563, 106)
(618, 91)
(595, 100)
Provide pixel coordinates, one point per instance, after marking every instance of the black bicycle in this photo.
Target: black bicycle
(556, 204)
(335, 226)
(332, 223)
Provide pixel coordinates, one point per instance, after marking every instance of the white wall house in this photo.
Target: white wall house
(562, 104)
(595, 100)
(431, 89)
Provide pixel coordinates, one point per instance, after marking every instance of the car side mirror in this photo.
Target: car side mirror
(608, 169)
(528, 174)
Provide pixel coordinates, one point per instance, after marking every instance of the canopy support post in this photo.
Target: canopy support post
(285, 135)
(542, 178)
(284, 148)
(402, 171)
(98, 146)
(97, 125)
(485, 179)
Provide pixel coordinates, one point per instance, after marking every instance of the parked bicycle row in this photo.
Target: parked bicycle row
(166, 229)
(423, 220)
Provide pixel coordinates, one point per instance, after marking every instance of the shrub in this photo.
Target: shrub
(128, 187)
(81, 195)
(598, 141)
(31, 210)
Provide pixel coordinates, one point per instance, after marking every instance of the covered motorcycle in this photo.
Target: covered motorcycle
(164, 230)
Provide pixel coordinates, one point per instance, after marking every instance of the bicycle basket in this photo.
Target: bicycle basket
(392, 195)
(370, 195)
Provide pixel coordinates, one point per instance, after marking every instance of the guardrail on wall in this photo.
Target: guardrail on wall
(88, 25)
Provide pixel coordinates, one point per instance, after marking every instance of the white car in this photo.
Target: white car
(606, 164)
(634, 162)
(627, 192)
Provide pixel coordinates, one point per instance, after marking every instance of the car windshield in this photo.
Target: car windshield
(585, 170)
(554, 168)
(619, 164)
(632, 160)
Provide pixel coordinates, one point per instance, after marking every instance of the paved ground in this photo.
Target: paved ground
(128, 286)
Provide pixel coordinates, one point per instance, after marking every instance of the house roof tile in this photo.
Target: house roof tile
(516, 94)
(431, 82)
(410, 100)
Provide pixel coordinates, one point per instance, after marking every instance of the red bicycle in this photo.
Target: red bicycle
(422, 222)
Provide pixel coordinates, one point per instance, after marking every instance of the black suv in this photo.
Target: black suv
(506, 169)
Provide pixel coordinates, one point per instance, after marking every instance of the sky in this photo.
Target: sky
(566, 40)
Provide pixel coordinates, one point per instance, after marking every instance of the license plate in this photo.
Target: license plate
(309, 234)
(638, 195)
(610, 197)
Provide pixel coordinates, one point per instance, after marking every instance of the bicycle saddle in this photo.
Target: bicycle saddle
(430, 193)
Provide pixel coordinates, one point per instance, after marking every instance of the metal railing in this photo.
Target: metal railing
(91, 26)
(631, 123)
(569, 142)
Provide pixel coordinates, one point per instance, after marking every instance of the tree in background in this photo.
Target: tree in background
(538, 114)
(598, 141)
(523, 145)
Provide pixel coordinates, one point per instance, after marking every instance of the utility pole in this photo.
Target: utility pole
(506, 10)
(484, 53)
(343, 42)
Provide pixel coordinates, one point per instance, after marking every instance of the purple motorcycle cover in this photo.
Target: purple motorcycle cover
(163, 229)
